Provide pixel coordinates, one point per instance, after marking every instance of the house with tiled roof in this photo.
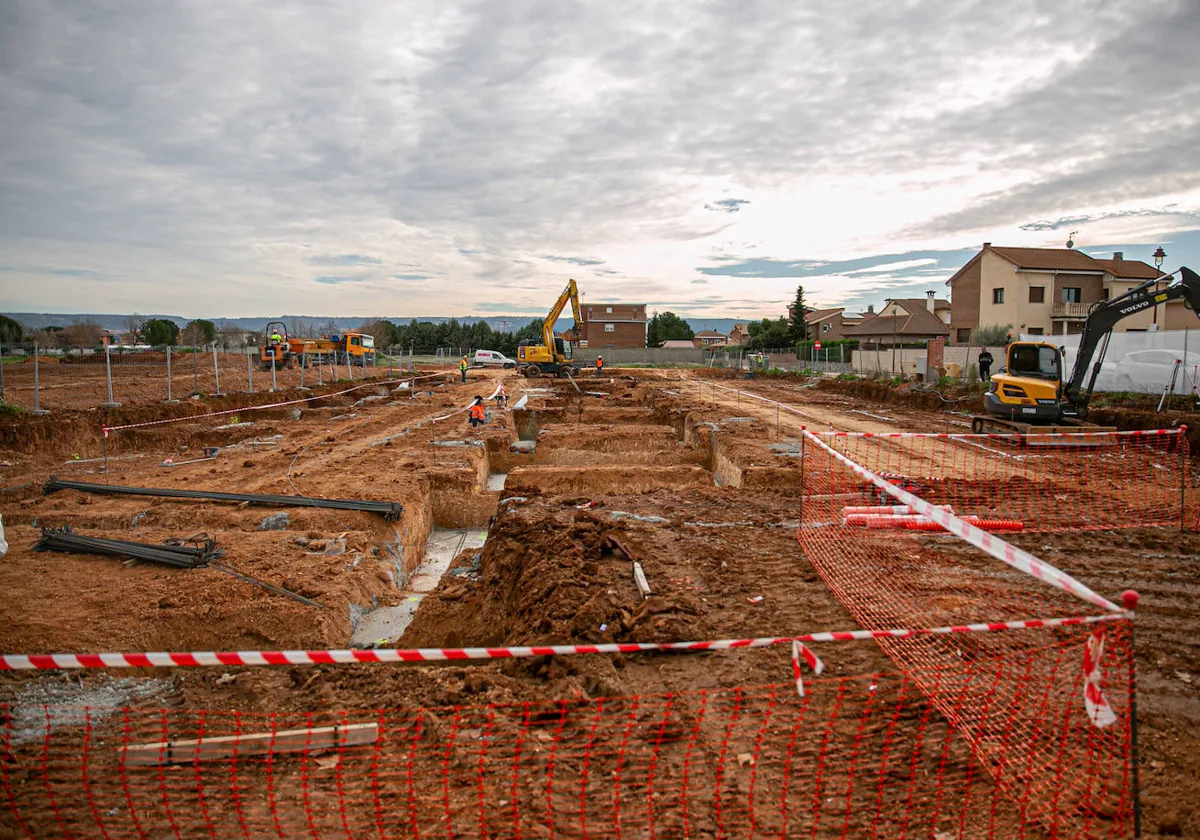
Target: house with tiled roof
(709, 338)
(902, 321)
(830, 324)
(1047, 291)
(739, 335)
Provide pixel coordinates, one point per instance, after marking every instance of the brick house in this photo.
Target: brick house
(902, 320)
(830, 324)
(709, 338)
(1047, 291)
(739, 336)
(614, 325)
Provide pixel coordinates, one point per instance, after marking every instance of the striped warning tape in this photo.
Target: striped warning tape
(61, 661)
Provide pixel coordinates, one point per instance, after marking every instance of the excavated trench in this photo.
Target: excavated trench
(372, 575)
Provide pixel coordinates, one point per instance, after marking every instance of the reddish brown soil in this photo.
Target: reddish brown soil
(547, 574)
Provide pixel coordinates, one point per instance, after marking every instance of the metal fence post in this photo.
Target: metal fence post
(108, 375)
(1, 375)
(37, 409)
(273, 381)
(216, 369)
(349, 367)
(195, 371)
(320, 369)
(302, 366)
(250, 372)
(169, 374)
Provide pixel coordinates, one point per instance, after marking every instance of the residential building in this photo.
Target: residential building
(614, 325)
(831, 324)
(901, 321)
(709, 338)
(678, 344)
(1047, 291)
(739, 336)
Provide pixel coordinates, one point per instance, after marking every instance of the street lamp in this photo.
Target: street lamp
(1159, 255)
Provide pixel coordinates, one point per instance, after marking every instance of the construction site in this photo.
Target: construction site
(653, 603)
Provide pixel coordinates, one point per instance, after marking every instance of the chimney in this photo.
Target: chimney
(929, 301)
(870, 309)
(987, 244)
(1117, 257)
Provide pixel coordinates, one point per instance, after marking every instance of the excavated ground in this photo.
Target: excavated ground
(701, 484)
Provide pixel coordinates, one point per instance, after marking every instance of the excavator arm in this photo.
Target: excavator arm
(569, 295)
(1106, 314)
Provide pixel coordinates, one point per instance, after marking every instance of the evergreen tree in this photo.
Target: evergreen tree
(797, 330)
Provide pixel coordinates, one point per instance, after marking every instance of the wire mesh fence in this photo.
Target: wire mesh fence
(36, 378)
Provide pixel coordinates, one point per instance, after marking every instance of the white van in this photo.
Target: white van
(491, 357)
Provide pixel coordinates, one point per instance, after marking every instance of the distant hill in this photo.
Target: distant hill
(38, 320)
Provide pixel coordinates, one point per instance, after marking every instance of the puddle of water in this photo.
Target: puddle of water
(495, 481)
(443, 545)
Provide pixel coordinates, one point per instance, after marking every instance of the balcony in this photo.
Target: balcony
(1071, 311)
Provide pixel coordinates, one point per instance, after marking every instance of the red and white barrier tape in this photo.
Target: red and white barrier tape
(249, 408)
(60, 661)
(1131, 433)
(1093, 698)
(467, 407)
(1005, 552)
(1098, 710)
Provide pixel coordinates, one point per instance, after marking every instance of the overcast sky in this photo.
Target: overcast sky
(221, 158)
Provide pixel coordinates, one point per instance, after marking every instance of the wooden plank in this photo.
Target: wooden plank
(258, 743)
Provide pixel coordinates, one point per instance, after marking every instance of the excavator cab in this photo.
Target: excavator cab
(1029, 386)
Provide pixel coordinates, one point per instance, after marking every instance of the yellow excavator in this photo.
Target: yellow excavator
(1030, 389)
(553, 355)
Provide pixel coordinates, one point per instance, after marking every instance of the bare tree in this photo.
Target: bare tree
(82, 334)
(233, 337)
(298, 327)
(133, 326)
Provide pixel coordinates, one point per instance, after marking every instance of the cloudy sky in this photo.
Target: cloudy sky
(440, 157)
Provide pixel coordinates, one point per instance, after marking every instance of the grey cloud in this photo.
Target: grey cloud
(209, 134)
(1075, 221)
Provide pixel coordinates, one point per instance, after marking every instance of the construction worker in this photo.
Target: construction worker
(599, 365)
(276, 338)
(501, 397)
(463, 364)
(477, 413)
(985, 365)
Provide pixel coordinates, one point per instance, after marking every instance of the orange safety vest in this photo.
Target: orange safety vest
(478, 412)
(599, 363)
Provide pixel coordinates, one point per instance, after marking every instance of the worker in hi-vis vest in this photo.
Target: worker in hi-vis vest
(478, 414)
(462, 367)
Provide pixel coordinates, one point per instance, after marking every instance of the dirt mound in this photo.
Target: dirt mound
(547, 576)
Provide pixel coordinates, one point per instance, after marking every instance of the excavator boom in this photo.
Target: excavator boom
(1107, 314)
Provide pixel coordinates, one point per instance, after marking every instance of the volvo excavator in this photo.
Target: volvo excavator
(553, 355)
(1029, 391)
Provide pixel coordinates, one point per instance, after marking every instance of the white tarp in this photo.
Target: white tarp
(1139, 362)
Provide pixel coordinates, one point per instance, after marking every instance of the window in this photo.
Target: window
(1037, 331)
(826, 327)
(964, 335)
(997, 295)
(608, 310)
(1037, 294)
(610, 327)
(1071, 294)
(1031, 360)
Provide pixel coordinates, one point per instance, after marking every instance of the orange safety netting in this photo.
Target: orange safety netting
(1026, 722)
(862, 756)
